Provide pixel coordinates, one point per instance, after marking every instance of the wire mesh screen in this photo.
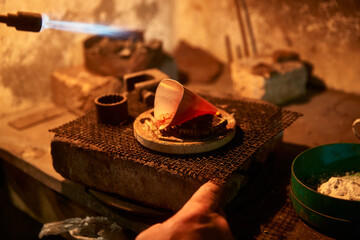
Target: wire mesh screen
(281, 224)
(257, 123)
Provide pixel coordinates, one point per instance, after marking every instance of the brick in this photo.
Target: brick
(76, 88)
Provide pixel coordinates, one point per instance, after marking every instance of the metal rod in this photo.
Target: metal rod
(242, 29)
(228, 49)
(238, 52)
(249, 27)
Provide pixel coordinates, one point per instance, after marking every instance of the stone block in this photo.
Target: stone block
(141, 184)
(76, 88)
(275, 82)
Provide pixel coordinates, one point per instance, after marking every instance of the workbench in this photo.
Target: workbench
(38, 190)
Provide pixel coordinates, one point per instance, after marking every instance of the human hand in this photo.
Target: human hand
(199, 218)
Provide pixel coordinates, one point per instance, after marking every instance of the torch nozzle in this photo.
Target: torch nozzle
(3, 19)
(24, 21)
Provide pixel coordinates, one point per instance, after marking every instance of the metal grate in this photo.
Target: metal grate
(259, 122)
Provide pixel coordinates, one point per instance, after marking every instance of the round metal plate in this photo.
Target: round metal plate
(149, 136)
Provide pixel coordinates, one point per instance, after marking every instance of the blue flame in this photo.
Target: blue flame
(82, 27)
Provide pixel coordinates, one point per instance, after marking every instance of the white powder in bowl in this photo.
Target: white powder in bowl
(345, 187)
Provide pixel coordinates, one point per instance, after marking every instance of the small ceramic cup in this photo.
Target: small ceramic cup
(111, 109)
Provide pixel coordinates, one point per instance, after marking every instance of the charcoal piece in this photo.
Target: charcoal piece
(205, 126)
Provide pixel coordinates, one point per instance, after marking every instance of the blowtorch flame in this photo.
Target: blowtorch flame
(83, 27)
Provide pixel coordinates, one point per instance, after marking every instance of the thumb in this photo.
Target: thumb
(207, 196)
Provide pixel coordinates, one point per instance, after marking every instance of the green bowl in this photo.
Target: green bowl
(311, 168)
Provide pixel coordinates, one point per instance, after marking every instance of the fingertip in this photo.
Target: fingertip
(212, 186)
(208, 195)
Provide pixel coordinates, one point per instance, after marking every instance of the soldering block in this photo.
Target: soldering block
(138, 183)
(76, 88)
(275, 82)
